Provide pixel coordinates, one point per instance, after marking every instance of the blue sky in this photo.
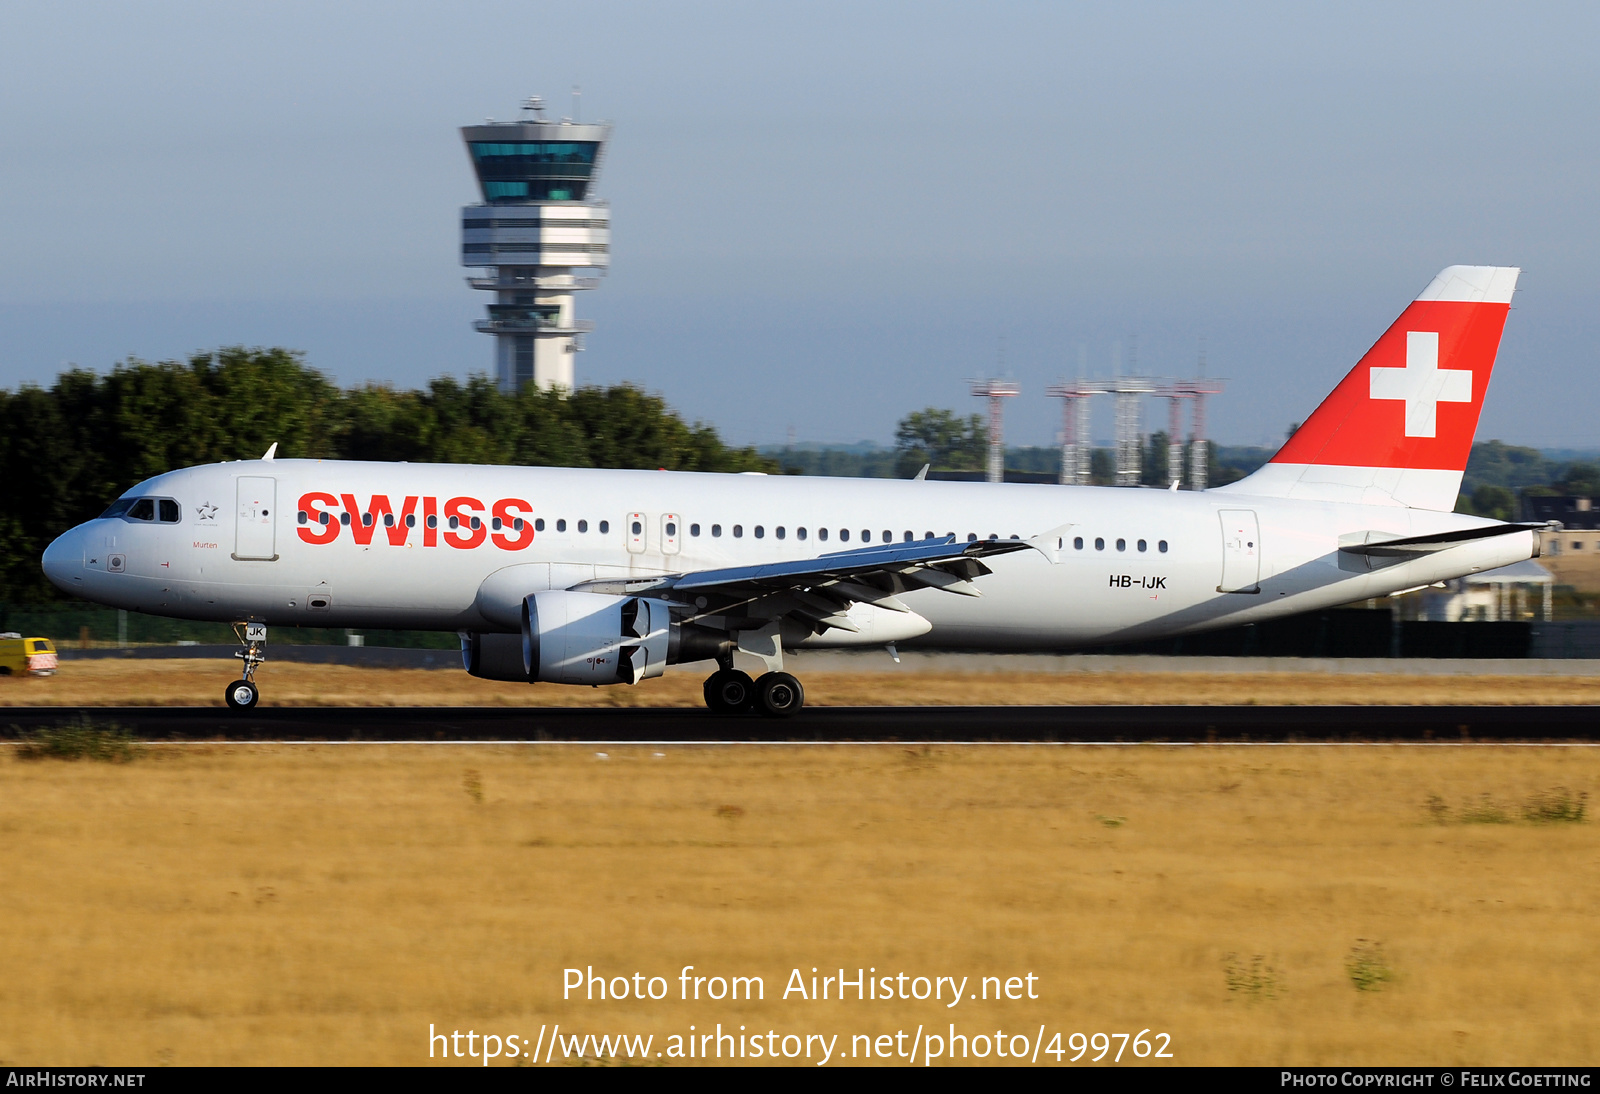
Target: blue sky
(825, 215)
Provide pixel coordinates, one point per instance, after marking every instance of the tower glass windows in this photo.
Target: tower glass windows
(513, 171)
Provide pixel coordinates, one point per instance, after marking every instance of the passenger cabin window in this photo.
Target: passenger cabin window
(1162, 546)
(583, 526)
(844, 535)
(433, 521)
(538, 524)
(1122, 545)
(822, 534)
(1143, 545)
(1099, 544)
(760, 532)
(694, 529)
(738, 531)
(888, 536)
(366, 520)
(716, 531)
(561, 524)
(780, 531)
(605, 526)
(1077, 543)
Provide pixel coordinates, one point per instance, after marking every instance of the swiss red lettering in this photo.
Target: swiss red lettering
(396, 528)
(359, 528)
(506, 511)
(316, 531)
(430, 522)
(464, 510)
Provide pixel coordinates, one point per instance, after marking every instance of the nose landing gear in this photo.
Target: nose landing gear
(243, 694)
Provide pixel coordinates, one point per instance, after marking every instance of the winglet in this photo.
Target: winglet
(271, 452)
(1051, 543)
(922, 475)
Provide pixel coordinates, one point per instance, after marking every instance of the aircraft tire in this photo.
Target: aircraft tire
(242, 695)
(729, 691)
(779, 695)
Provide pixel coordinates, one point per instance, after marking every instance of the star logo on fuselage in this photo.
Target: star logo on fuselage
(207, 511)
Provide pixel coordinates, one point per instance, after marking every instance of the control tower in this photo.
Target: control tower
(537, 229)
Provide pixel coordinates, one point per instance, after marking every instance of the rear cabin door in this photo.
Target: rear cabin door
(1241, 552)
(256, 519)
(671, 529)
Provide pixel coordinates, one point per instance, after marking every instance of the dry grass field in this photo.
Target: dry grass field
(232, 904)
(200, 682)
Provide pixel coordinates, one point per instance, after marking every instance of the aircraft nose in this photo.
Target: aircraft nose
(63, 561)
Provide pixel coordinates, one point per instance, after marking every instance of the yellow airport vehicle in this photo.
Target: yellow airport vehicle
(21, 656)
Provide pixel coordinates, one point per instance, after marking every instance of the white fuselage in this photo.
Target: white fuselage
(238, 549)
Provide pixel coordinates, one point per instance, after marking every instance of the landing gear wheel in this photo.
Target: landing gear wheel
(242, 695)
(729, 691)
(779, 695)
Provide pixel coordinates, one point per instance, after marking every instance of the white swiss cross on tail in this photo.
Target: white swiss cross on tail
(1435, 362)
(1422, 384)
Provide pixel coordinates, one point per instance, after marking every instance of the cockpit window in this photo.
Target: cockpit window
(169, 511)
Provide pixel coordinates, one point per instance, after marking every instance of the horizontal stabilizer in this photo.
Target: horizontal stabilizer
(1389, 545)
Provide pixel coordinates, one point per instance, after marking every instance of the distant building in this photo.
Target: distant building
(1572, 555)
(1517, 592)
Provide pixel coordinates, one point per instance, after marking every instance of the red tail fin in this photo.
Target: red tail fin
(1399, 427)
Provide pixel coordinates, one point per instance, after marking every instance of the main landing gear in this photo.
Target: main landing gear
(775, 694)
(243, 694)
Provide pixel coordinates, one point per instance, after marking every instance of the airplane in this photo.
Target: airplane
(586, 576)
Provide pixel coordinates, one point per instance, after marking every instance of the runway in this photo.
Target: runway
(1124, 724)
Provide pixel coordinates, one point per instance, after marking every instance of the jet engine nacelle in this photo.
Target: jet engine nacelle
(593, 638)
(493, 656)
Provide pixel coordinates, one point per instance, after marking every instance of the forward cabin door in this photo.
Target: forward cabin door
(1241, 552)
(256, 519)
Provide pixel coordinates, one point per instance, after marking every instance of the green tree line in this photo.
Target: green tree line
(69, 449)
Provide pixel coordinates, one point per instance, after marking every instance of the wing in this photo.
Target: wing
(820, 590)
